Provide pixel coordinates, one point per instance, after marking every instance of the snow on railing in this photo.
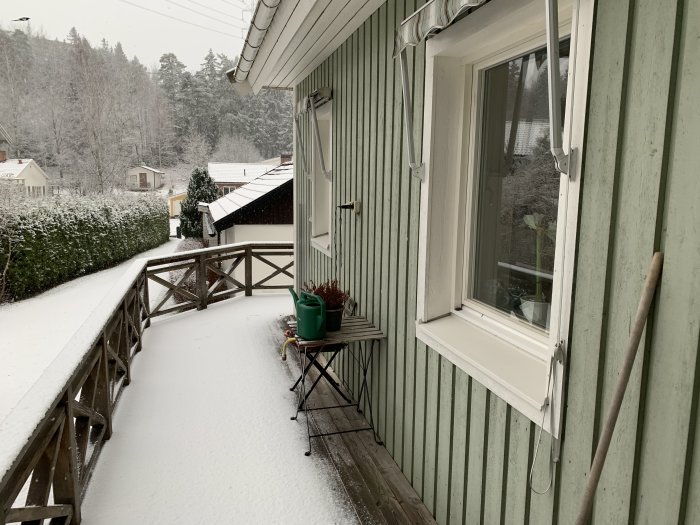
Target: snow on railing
(50, 441)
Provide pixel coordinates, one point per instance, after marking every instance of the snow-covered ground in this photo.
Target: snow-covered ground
(34, 331)
(174, 223)
(202, 434)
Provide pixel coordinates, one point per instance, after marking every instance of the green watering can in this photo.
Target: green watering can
(311, 315)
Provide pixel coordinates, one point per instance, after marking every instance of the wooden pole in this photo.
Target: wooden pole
(630, 353)
(248, 271)
(146, 300)
(202, 287)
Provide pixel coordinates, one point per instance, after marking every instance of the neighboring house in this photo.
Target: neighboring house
(144, 178)
(229, 176)
(259, 211)
(26, 174)
(505, 289)
(276, 161)
(262, 210)
(175, 203)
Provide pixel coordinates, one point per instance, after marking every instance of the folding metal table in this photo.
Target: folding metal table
(354, 329)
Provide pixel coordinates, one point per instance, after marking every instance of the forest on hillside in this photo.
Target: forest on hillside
(87, 113)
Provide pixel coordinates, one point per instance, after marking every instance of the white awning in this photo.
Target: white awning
(432, 17)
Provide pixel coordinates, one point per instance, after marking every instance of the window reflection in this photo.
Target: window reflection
(518, 189)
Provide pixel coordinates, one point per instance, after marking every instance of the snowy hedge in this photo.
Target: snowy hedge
(45, 242)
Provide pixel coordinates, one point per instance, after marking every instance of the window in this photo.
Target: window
(515, 200)
(321, 186)
(498, 221)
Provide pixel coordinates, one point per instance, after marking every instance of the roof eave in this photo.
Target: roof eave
(257, 30)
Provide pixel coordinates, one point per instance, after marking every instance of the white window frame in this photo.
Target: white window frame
(512, 360)
(323, 241)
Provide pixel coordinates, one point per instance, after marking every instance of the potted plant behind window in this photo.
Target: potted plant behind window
(334, 298)
(536, 307)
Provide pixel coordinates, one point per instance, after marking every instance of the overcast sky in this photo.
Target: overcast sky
(145, 28)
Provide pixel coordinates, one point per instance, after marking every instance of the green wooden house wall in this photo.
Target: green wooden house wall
(465, 451)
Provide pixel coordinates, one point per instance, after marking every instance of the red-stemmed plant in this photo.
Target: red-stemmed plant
(330, 292)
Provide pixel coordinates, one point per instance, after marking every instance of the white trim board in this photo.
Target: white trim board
(303, 33)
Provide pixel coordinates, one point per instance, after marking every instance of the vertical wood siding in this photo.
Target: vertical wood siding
(466, 452)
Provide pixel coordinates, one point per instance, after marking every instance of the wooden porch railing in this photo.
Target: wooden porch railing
(48, 473)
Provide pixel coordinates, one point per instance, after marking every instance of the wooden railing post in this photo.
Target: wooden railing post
(66, 488)
(202, 287)
(103, 402)
(146, 297)
(248, 271)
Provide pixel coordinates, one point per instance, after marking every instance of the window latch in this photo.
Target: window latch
(560, 352)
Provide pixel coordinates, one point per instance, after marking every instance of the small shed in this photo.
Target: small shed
(25, 173)
(175, 203)
(229, 176)
(144, 178)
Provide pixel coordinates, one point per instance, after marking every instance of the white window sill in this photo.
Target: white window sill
(513, 374)
(322, 243)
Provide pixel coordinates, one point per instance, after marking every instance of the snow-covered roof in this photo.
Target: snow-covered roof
(236, 172)
(252, 191)
(13, 168)
(153, 170)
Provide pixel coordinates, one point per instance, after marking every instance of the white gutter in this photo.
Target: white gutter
(262, 18)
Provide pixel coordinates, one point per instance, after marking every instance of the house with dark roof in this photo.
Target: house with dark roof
(261, 210)
(263, 206)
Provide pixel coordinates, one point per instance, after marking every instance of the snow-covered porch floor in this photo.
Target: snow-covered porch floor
(203, 434)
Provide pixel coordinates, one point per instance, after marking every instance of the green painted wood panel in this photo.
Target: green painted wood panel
(672, 394)
(432, 426)
(465, 451)
(444, 441)
(497, 447)
(378, 378)
(478, 429)
(458, 456)
(419, 416)
(517, 495)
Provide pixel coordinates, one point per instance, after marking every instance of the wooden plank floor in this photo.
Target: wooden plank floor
(378, 489)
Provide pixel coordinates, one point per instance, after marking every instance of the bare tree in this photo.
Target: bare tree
(196, 150)
(235, 148)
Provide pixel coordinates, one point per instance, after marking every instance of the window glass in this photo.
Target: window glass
(518, 190)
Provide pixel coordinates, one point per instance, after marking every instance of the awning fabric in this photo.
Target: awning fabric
(432, 17)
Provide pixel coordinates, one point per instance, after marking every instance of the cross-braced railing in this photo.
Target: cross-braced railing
(48, 476)
(197, 278)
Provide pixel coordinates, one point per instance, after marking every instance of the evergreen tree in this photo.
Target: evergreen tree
(201, 188)
(87, 113)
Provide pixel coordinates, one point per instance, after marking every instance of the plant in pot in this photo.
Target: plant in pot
(536, 307)
(335, 299)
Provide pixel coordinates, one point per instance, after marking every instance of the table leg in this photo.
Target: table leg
(302, 395)
(304, 372)
(366, 362)
(323, 372)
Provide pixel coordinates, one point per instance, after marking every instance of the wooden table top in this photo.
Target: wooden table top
(354, 328)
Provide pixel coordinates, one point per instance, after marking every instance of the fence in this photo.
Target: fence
(46, 476)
